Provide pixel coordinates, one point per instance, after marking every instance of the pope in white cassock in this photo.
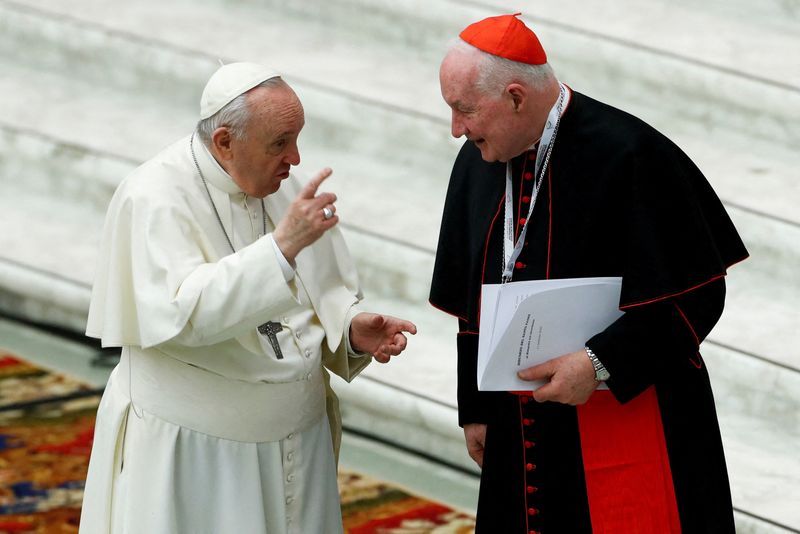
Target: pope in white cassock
(231, 292)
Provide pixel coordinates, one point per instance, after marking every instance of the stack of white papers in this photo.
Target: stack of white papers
(527, 323)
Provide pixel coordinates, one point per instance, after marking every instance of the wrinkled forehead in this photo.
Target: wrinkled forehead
(277, 108)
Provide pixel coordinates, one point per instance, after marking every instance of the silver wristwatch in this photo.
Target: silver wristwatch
(601, 374)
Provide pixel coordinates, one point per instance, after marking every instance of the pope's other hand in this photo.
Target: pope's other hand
(380, 335)
(305, 221)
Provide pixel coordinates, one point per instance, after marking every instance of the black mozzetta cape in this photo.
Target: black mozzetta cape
(619, 199)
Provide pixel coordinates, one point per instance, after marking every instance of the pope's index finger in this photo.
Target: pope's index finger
(310, 189)
(409, 327)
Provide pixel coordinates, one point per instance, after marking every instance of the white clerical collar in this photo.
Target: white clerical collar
(213, 171)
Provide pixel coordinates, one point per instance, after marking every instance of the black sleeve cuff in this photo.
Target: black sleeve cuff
(473, 405)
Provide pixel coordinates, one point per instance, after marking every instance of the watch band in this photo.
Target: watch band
(601, 374)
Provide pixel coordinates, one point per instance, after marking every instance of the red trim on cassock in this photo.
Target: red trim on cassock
(628, 476)
(517, 225)
(686, 320)
(486, 253)
(524, 463)
(447, 312)
(468, 333)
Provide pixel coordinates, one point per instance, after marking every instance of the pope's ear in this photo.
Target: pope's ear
(221, 140)
(517, 93)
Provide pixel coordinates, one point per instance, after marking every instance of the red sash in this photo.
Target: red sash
(628, 477)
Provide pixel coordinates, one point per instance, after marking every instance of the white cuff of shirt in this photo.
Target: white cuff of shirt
(286, 267)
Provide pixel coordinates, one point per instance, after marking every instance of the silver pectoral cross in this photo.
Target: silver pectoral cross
(271, 329)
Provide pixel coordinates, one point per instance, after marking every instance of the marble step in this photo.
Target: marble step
(724, 58)
(131, 54)
(745, 39)
(757, 406)
(741, 36)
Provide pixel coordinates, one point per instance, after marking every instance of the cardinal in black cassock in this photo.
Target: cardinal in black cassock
(615, 199)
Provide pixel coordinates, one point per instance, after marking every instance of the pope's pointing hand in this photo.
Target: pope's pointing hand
(309, 216)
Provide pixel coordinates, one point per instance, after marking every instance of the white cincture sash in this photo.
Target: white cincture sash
(206, 402)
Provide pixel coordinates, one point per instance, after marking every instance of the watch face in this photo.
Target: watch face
(602, 375)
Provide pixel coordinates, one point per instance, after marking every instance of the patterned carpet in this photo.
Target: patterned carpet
(46, 429)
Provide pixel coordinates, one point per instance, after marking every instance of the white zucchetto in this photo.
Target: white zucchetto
(230, 81)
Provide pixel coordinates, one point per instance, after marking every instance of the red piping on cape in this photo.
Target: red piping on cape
(677, 293)
(716, 277)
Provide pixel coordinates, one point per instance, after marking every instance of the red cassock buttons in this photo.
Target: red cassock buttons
(523, 400)
(532, 154)
(522, 220)
(529, 176)
(526, 199)
(532, 489)
(532, 511)
(530, 467)
(527, 422)
(519, 265)
(529, 444)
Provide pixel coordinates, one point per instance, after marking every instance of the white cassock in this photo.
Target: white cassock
(202, 429)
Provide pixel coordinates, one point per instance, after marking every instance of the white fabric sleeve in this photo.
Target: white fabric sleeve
(286, 267)
(183, 297)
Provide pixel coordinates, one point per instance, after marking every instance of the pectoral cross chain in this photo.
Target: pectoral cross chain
(271, 329)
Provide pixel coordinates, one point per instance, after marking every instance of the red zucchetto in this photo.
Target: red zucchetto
(506, 36)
